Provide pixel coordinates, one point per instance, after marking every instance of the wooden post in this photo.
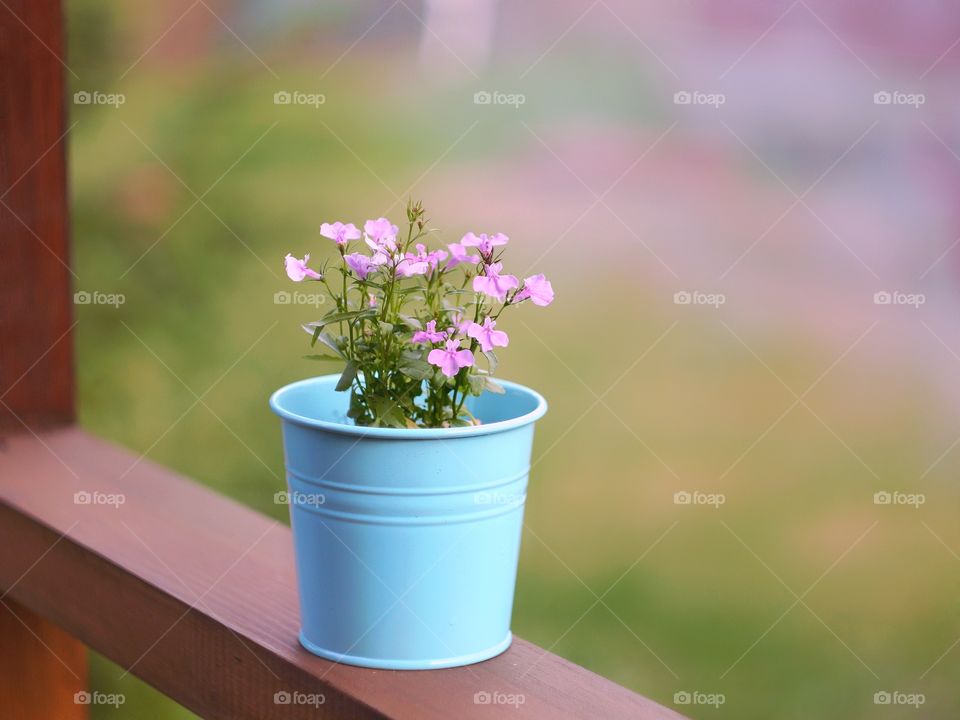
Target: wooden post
(41, 668)
(36, 357)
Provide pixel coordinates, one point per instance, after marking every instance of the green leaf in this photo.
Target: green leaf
(417, 369)
(315, 331)
(314, 328)
(477, 383)
(411, 322)
(394, 418)
(388, 413)
(346, 378)
(322, 357)
(385, 326)
(331, 342)
(334, 316)
(357, 411)
(495, 387)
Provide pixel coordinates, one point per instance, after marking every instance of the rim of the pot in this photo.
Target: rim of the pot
(276, 404)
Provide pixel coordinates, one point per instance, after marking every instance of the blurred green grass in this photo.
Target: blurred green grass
(688, 597)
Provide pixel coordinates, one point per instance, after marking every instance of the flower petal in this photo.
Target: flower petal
(498, 338)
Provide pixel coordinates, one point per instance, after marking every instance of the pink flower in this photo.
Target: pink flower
(381, 234)
(421, 262)
(410, 266)
(487, 336)
(297, 270)
(340, 233)
(538, 289)
(460, 323)
(451, 358)
(436, 257)
(373, 300)
(460, 254)
(382, 257)
(494, 284)
(483, 243)
(430, 335)
(360, 264)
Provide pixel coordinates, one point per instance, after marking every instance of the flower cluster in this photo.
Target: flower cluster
(416, 328)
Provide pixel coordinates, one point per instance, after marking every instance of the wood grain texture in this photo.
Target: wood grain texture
(196, 594)
(41, 667)
(36, 360)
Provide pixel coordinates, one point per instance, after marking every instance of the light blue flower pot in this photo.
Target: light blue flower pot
(406, 541)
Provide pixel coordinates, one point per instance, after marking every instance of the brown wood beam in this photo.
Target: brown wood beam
(41, 667)
(36, 357)
(196, 595)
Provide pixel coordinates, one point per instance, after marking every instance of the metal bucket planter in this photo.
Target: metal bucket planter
(406, 541)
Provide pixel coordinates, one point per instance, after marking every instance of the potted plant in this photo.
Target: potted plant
(407, 471)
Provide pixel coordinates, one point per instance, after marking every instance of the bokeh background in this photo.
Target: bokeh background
(777, 189)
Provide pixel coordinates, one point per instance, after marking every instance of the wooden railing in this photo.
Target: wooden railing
(195, 594)
(183, 588)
